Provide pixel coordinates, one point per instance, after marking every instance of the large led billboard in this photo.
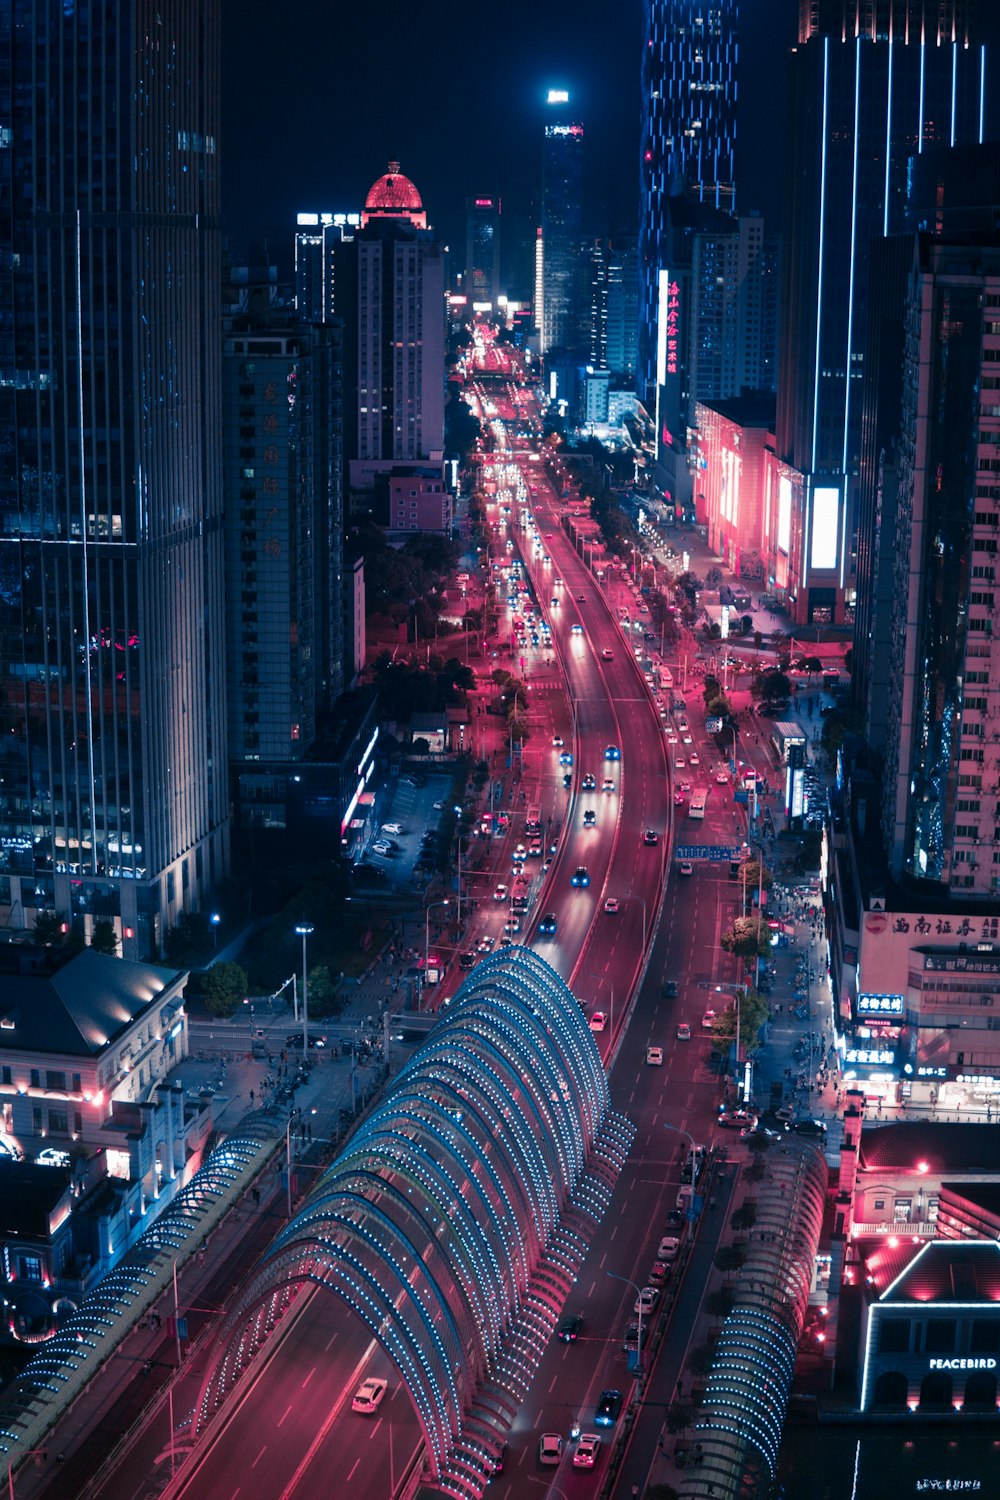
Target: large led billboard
(784, 514)
(825, 527)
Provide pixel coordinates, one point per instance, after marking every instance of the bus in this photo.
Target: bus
(698, 799)
(533, 821)
(520, 893)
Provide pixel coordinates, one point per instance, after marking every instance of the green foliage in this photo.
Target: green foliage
(771, 684)
(720, 1302)
(754, 1011)
(103, 938)
(747, 938)
(406, 687)
(702, 1357)
(745, 1217)
(680, 1414)
(759, 1143)
(751, 876)
(190, 941)
(225, 987)
(49, 927)
(838, 723)
(729, 1258)
(461, 425)
(720, 706)
(323, 992)
(711, 687)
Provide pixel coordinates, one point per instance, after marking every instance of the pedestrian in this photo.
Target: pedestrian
(251, 1096)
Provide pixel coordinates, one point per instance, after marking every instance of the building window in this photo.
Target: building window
(939, 1336)
(36, 1078)
(984, 1337)
(5, 1075)
(55, 1079)
(894, 1336)
(58, 1122)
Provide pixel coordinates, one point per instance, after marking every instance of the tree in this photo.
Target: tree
(680, 1414)
(758, 639)
(720, 706)
(711, 687)
(49, 927)
(702, 1357)
(749, 937)
(103, 938)
(745, 1217)
(778, 641)
(225, 988)
(323, 992)
(720, 1302)
(754, 1011)
(758, 1143)
(771, 684)
(729, 1258)
(752, 875)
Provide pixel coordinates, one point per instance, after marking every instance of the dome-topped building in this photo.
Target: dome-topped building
(394, 196)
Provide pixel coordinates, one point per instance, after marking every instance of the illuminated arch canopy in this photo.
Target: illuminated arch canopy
(457, 1217)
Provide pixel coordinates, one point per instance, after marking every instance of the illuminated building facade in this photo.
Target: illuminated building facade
(482, 251)
(112, 658)
(870, 86)
(316, 237)
(562, 227)
(688, 146)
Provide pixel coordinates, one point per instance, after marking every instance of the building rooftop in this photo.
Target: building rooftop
(80, 1008)
(394, 196)
(28, 1195)
(749, 409)
(949, 1150)
(946, 1271)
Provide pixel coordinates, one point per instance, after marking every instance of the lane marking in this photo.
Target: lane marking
(284, 1415)
(260, 1455)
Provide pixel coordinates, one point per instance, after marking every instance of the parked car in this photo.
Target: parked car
(646, 1300)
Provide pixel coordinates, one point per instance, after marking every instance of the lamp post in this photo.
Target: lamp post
(603, 979)
(304, 929)
(25, 1453)
(215, 919)
(638, 1292)
(427, 942)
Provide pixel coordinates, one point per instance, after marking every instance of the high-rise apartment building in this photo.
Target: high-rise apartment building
(733, 311)
(614, 305)
(942, 754)
(114, 798)
(391, 296)
(561, 316)
(688, 149)
(284, 521)
(482, 250)
(872, 83)
(316, 238)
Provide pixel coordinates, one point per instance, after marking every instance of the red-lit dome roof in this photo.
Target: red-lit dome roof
(394, 196)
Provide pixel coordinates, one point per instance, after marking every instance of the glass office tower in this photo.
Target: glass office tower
(113, 796)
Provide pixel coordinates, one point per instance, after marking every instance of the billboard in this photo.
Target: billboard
(784, 514)
(825, 527)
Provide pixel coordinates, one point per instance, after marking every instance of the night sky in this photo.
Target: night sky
(317, 96)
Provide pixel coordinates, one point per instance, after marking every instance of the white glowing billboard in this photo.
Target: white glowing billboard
(784, 514)
(825, 527)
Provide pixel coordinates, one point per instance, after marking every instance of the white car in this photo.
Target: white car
(500, 894)
(646, 1300)
(668, 1247)
(550, 1448)
(392, 827)
(654, 1056)
(598, 1021)
(369, 1396)
(587, 1450)
(708, 1019)
(694, 759)
(611, 904)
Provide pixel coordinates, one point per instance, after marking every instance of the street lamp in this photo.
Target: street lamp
(25, 1453)
(304, 929)
(603, 979)
(215, 919)
(690, 1140)
(427, 940)
(638, 1292)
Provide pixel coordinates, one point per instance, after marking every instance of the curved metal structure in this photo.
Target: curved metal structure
(57, 1374)
(433, 1223)
(739, 1430)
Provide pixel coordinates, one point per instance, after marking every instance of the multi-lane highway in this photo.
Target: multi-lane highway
(291, 1432)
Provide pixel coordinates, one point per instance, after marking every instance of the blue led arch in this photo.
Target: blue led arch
(443, 1206)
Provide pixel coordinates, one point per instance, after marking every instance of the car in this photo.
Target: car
(759, 1134)
(581, 598)
(568, 780)
(554, 601)
(607, 654)
(685, 737)
(683, 1199)
(608, 784)
(686, 867)
(570, 1328)
(679, 763)
(535, 850)
(630, 1338)
(500, 1459)
(608, 1409)
(693, 1165)
(708, 1019)
(678, 798)
(392, 828)
(589, 783)
(550, 1448)
(589, 818)
(384, 850)
(580, 876)
(612, 752)
(520, 855)
(558, 741)
(598, 1021)
(566, 759)
(722, 778)
(587, 1450)
(611, 903)
(651, 837)
(467, 960)
(576, 630)
(694, 759)
(737, 1119)
(659, 1273)
(654, 1056)
(485, 944)
(369, 1395)
(646, 1300)
(809, 1127)
(676, 1222)
(670, 989)
(500, 893)
(683, 1032)
(513, 924)
(668, 1247)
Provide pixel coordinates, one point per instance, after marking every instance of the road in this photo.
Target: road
(291, 1430)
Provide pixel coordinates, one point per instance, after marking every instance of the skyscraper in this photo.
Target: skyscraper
(942, 756)
(561, 318)
(316, 237)
(112, 670)
(872, 84)
(689, 99)
(482, 249)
